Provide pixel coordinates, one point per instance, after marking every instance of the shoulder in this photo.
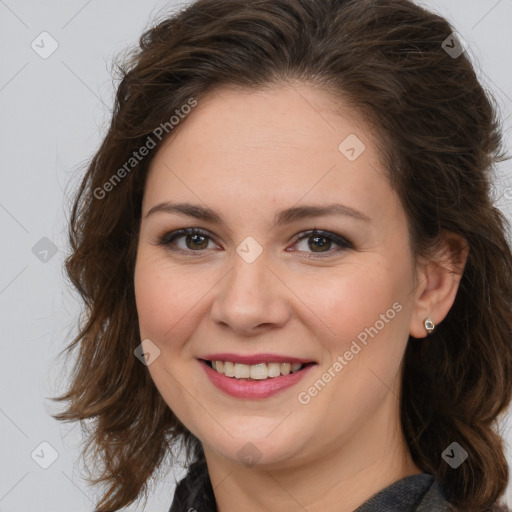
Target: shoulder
(436, 498)
(416, 493)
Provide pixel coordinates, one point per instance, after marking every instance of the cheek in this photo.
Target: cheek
(366, 311)
(167, 298)
(168, 304)
(358, 299)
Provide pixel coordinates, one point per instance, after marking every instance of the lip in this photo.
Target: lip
(253, 389)
(255, 358)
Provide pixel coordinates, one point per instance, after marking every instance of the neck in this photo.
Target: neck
(337, 480)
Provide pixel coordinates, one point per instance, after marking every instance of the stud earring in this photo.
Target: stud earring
(429, 325)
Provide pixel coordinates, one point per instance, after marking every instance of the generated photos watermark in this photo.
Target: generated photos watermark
(304, 397)
(158, 133)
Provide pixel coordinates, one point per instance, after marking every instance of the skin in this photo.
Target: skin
(248, 155)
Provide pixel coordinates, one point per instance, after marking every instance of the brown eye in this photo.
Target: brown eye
(320, 242)
(195, 240)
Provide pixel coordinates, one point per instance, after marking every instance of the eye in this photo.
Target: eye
(320, 242)
(194, 240)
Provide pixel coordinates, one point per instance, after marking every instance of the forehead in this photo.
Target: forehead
(270, 147)
(289, 116)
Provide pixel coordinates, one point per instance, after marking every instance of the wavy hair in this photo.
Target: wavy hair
(439, 136)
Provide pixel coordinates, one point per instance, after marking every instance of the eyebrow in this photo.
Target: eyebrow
(286, 216)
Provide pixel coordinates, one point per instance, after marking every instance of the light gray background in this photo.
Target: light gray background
(53, 114)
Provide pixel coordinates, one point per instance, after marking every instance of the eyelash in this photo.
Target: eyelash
(342, 242)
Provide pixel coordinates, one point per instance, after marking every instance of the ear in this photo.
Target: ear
(437, 282)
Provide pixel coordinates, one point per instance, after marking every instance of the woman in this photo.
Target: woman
(291, 264)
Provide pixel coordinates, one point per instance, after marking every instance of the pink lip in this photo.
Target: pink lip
(255, 358)
(252, 388)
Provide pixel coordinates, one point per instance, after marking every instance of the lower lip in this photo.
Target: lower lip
(253, 388)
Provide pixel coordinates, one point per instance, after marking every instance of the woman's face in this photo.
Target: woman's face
(255, 286)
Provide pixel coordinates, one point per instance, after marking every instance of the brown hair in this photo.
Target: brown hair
(439, 137)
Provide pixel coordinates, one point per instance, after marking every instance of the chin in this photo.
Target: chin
(267, 451)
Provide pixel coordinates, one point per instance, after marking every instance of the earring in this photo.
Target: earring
(429, 325)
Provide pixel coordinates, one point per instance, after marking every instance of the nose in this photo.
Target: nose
(251, 298)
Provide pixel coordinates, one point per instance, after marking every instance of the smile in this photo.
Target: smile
(259, 371)
(259, 380)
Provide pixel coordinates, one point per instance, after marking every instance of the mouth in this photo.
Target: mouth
(256, 372)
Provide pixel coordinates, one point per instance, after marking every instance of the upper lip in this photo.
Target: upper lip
(254, 358)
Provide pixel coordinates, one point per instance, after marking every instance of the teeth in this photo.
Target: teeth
(242, 371)
(286, 368)
(274, 369)
(229, 368)
(260, 371)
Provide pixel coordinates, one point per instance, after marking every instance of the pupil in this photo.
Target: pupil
(316, 239)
